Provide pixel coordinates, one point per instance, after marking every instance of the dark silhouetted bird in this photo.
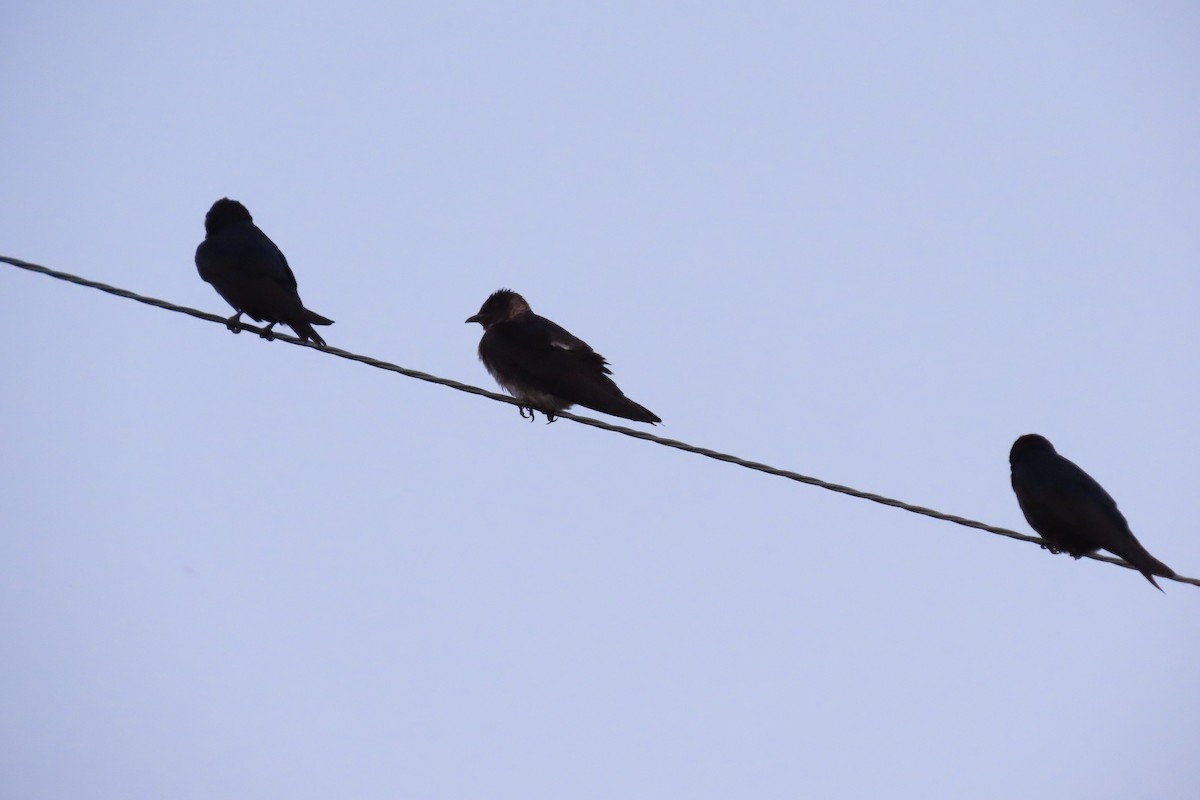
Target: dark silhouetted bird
(543, 365)
(251, 273)
(1070, 510)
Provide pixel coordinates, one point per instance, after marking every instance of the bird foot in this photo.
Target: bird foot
(234, 323)
(530, 413)
(266, 333)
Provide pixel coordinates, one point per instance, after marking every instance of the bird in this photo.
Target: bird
(251, 273)
(545, 366)
(1070, 510)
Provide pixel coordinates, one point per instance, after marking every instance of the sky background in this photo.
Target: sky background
(855, 240)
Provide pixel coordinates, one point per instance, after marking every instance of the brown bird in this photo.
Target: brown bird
(1070, 510)
(545, 366)
(251, 273)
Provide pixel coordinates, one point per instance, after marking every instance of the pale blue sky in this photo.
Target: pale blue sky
(855, 240)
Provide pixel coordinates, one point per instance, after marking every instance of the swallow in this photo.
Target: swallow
(1071, 511)
(251, 273)
(545, 366)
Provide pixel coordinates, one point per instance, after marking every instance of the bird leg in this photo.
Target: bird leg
(266, 332)
(234, 323)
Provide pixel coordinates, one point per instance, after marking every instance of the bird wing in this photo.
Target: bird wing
(243, 252)
(283, 269)
(541, 354)
(1060, 500)
(539, 332)
(251, 273)
(267, 258)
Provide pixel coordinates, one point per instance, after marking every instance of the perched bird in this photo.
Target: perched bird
(1070, 510)
(251, 273)
(543, 365)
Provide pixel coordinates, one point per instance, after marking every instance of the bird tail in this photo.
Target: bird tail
(624, 407)
(316, 319)
(304, 327)
(1148, 565)
(643, 414)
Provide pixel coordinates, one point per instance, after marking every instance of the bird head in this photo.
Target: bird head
(503, 305)
(1030, 444)
(224, 212)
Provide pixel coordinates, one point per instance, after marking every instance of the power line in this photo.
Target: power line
(595, 423)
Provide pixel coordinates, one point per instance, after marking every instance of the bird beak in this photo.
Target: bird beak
(474, 318)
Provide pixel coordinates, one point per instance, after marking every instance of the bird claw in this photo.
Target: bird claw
(533, 414)
(266, 333)
(234, 323)
(1059, 551)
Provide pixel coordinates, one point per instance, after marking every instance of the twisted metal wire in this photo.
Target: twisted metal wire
(595, 423)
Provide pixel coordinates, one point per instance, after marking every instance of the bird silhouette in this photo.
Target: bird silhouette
(545, 366)
(251, 273)
(1070, 510)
